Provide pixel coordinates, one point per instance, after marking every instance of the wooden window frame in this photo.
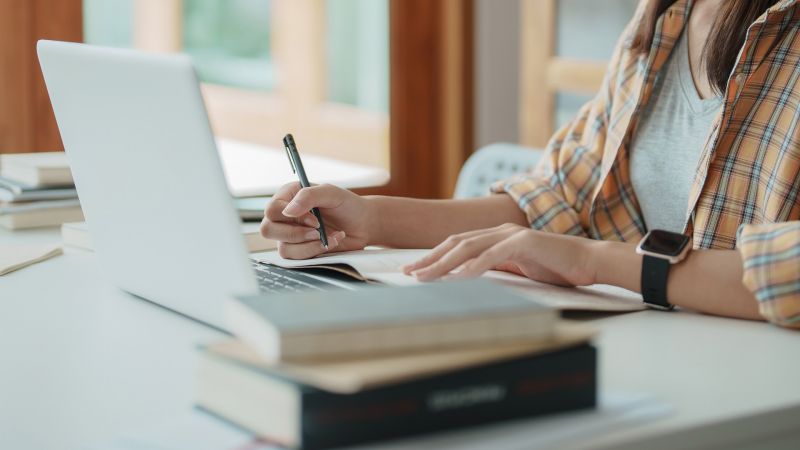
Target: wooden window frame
(430, 124)
(27, 123)
(544, 74)
(431, 92)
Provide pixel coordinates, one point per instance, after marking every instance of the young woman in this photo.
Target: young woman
(695, 131)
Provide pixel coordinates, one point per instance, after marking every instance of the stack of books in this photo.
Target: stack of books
(336, 368)
(36, 190)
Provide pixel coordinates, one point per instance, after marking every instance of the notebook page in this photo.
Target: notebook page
(377, 264)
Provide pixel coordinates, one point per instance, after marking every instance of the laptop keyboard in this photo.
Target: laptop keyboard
(277, 279)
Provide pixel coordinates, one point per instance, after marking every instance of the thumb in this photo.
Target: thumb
(322, 196)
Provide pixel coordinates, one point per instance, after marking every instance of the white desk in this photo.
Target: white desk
(81, 362)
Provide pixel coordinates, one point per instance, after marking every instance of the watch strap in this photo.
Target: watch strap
(655, 272)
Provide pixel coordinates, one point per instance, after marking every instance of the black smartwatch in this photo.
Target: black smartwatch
(661, 249)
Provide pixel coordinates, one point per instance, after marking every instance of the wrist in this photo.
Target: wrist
(616, 264)
(594, 258)
(374, 217)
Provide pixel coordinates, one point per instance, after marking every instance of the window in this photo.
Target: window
(317, 68)
(230, 42)
(418, 101)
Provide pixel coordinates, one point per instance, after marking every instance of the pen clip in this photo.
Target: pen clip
(291, 160)
(289, 155)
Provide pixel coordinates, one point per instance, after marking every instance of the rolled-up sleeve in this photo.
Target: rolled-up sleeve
(553, 196)
(771, 258)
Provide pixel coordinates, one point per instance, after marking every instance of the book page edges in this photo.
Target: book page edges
(353, 375)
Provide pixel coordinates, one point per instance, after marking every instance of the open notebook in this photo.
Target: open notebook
(383, 266)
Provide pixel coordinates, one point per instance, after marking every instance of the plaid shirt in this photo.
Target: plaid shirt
(745, 192)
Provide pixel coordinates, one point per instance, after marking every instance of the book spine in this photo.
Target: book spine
(560, 381)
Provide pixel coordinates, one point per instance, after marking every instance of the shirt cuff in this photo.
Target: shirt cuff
(771, 258)
(544, 208)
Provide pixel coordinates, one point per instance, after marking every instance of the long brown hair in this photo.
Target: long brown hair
(725, 41)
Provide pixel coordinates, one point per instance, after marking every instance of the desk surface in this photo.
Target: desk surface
(82, 361)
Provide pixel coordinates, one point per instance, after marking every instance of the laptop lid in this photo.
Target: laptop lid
(148, 175)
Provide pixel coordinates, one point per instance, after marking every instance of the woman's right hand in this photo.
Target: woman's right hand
(289, 221)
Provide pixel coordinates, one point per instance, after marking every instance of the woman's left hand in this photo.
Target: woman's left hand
(546, 257)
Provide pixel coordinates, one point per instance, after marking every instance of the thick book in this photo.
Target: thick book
(76, 234)
(298, 415)
(350, 375)
(330, 324)
(37, 169)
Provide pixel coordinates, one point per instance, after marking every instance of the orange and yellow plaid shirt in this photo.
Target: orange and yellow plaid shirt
(745, 192)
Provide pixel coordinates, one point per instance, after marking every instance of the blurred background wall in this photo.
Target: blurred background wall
(585, 29)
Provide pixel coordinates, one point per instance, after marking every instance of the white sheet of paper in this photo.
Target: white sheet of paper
(384, 265)
(253, 170)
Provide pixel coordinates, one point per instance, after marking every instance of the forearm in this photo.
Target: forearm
(412, 223)
(708, 281)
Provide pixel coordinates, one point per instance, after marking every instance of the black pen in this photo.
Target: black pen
(297, 167)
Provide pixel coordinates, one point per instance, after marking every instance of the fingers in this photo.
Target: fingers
(290, 233)
(274, 213)
(459, 254)
(310, 249)
(287, 191)
(491, 258)
(433, 256)
(322, 196)
(299, 225)
(440, 250)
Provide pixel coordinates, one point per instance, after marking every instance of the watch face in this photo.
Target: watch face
(665, 243)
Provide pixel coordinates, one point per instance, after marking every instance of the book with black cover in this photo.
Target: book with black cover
(298, 415)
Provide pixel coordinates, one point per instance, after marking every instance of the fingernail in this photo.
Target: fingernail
(411, 269)
(311, 222)
(412, 266)
(291, 209)
(313, 234)
(420, 274)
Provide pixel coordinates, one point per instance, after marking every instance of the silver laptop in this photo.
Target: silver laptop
(150, 182)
